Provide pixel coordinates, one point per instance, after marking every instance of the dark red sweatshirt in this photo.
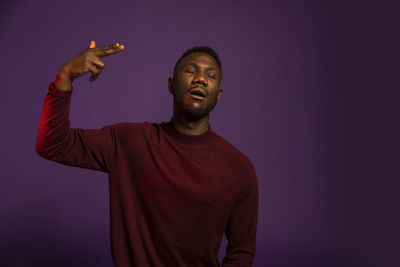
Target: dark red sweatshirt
(172, 195)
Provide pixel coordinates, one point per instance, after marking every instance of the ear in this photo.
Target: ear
(170, 83)
(219, 93)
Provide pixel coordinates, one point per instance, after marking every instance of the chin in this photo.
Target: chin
(194, 112)
(197, 113)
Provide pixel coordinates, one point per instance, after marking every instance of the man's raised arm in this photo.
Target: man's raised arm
(56, 140)
(86, 61)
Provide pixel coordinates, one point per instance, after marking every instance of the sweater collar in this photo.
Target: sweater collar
(193, 140)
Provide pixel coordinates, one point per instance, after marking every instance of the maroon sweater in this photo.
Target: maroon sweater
(172, 195)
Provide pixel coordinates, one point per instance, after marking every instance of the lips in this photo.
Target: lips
(198, 92)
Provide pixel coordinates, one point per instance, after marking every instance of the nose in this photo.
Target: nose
(200, 79)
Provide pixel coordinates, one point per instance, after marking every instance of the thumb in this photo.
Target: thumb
(92, 44)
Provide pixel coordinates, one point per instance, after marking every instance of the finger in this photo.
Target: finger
(99, 66)
(92, 44)
(94, 77)
(98, 63)
(94, 70)
(107, 50)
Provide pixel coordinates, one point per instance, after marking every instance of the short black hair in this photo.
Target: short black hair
(204, 49)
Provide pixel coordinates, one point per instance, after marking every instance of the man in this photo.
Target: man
(175, 187)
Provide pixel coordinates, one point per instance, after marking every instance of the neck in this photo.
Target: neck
(186, 126)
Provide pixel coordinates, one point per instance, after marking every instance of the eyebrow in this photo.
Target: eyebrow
(197, 66)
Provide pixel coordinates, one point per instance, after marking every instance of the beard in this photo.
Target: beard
(193, 112)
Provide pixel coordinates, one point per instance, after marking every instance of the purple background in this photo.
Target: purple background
(302, 98)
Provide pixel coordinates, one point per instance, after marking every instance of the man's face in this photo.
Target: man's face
(195, 86)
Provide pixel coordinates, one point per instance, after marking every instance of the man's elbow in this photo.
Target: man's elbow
(42, 149)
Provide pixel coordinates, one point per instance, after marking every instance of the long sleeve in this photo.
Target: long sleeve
(242, 227)
(57, 141)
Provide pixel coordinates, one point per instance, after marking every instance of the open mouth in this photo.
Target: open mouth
(197, 93)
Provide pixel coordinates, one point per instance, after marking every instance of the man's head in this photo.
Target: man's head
(202, 49)
(196, 81)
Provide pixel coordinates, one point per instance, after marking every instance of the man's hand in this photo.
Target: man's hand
(86, 61)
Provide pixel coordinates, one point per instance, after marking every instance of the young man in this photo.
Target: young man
(175, 187)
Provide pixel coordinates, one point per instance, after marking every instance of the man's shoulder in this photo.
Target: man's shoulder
(233, 154)
(132, 126)
(127, 130)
